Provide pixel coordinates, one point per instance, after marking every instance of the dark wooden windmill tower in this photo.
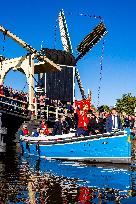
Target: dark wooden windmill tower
(61, 85)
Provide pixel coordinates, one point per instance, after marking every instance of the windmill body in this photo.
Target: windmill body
(61, 85)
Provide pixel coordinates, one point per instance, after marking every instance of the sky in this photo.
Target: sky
(34, 21)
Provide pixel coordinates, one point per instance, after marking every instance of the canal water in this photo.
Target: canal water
(31, 180)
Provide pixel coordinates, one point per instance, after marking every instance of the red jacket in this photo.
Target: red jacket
(25, 131)
(85, 195)
(45, 127)
(82, 121)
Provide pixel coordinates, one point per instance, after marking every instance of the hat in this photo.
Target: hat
(90, 112)
(70, 111)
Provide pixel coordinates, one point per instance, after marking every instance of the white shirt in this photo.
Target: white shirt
(114, 126)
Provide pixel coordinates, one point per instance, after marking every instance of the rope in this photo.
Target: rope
(24, 87)
(4, 40)
(101, 69)
(86, 15)
(55, 34)
(70, 13)
(28, 84)
(35, 80)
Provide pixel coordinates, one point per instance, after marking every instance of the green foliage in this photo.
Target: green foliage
(126, 104)
(106, 108)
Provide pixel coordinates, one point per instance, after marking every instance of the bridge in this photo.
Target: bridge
(13, 113)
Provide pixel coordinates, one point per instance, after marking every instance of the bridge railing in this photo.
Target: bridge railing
(13, 105)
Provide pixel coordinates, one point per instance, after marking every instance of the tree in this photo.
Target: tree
(126, 104)
(104, 108)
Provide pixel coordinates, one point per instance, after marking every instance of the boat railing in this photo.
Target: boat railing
(68, 137)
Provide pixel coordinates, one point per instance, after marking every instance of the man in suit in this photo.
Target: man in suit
(92, 124)
(95, 124)
(113, 121)
(60, 126)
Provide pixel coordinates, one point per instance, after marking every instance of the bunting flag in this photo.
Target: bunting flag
(82, 103)
(129, 139)
(128, 133)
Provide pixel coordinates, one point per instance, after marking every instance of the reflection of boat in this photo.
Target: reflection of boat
(115, 148)
(101, 177)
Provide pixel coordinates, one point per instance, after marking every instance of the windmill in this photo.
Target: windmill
(85, 46)
(59, 65)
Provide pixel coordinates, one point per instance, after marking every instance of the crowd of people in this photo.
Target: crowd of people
(13, 100)
(14, 94)
(84, 122)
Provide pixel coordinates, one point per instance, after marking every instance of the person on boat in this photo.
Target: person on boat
(70, 120)
(44, 127)
(113, 121)
(37, 132)
(104, 116)
(42, 133)
(132, 121)
(60, 126)
(82, 123)
(92, 125)
(126, 121)
(99, 123)
(24, 131)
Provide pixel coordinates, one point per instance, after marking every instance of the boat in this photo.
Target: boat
(114, 147)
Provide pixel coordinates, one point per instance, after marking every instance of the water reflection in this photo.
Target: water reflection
(30, 179)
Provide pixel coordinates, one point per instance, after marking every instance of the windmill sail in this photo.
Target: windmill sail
(64, 32)
(66, 42)
(91, 40)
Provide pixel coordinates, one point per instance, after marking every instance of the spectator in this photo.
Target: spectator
(113, 121)
(99, 123)
(1, 90)
(82, 123)
(37, 132)
(24, 131)
(42, 133)
(70, 120)
(132, 121)
(126, 121)
(60, 126)
(92, 125)
(44, 127)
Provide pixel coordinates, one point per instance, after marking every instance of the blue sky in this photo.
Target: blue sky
(34, 21)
